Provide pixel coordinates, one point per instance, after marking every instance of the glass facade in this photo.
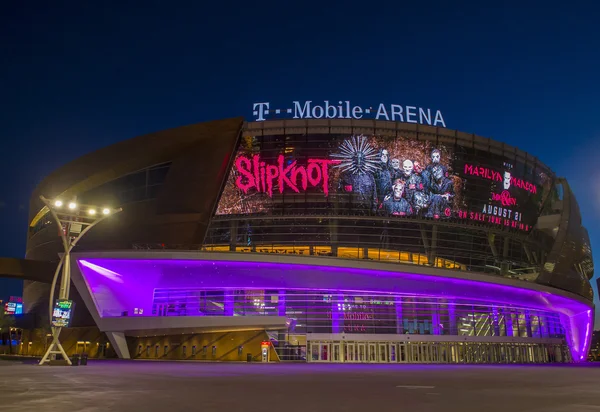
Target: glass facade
(455, 201)
(323, 311)
(134, 187)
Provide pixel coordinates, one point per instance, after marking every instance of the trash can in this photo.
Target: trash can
(75, 360)
(249, 357)
(84, 358)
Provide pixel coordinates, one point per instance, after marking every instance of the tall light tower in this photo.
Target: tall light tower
(74, 221)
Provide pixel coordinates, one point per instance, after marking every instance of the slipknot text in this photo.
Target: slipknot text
(490, 174)
(254, 173)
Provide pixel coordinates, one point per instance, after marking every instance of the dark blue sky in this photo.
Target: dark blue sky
(76, 77)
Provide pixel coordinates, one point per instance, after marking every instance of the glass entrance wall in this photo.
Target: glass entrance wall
(437, 352)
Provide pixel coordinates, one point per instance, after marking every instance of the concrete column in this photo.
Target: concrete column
(452, 319)
(528, 324)
(229, 302)
(281, 303)
(435, 320)
(509, 323)
(233, 231)
(399, 319)
(118, 341)
(495, 322)
(333, 236)
(337, 314)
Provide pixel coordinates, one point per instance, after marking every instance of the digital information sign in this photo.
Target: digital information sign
(62, 313)
(378, 175)
(14, 306)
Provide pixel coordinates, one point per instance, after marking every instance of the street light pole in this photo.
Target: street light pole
(73, 224)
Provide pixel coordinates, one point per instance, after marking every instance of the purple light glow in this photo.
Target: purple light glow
(141, 277)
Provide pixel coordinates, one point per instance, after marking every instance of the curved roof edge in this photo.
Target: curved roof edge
(116, 160)
(422, 132)
(330, 262)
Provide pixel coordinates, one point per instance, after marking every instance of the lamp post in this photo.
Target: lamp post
(74, 221)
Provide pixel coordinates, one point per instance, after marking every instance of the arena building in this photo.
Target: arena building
(321, 240)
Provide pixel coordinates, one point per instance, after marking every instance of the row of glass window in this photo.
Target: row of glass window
(320, 312)
(134, 187)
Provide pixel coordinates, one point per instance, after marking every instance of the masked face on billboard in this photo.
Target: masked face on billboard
(351, 173)
(438, 173)
(384, 156)
(506, 182)
(398, 189)
(407, 166)
(417, 167)
(421, 200)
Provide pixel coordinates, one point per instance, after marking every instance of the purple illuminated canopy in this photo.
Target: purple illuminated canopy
(116, 285)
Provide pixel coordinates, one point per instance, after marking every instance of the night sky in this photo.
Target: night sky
(76, 77)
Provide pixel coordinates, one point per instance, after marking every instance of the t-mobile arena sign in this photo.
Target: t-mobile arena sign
(344, 110)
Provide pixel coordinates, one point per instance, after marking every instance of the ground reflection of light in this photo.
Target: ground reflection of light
(114, 276)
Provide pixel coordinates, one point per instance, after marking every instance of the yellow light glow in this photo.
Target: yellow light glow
(72, 205)
(92, 212)
(58, 203)
(106, 211)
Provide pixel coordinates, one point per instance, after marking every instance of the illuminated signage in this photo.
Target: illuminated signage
(376, 175)
(345, 110)
(62, 313)
(504, 198)
(257, 174)
(13, 308)
(505, 177)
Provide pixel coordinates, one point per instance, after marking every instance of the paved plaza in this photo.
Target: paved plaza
(192, 386)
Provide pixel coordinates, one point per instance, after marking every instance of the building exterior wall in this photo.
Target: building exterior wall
(76, 340)
(183, 189)
(217, 346)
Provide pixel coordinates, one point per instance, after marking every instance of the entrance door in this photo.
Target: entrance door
(435, 352)
(403, 352)
(320, 352)
(393, 354)
(372, 352)
(415, 356)
(325, 352)
(336, 355)
(350, 352)
(443, 348)
(362, 352)
(383, 353)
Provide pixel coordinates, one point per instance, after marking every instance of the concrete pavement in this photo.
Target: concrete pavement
(191, 386)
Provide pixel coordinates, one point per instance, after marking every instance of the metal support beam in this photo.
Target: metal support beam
(430, 248)
(505, 265)
(491, 242)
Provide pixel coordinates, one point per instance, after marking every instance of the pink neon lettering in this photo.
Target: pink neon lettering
(310, 169)
(505, 198)
(242, 164)
(257, 174)
(490, 174)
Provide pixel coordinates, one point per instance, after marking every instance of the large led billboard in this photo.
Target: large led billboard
(395, 177)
